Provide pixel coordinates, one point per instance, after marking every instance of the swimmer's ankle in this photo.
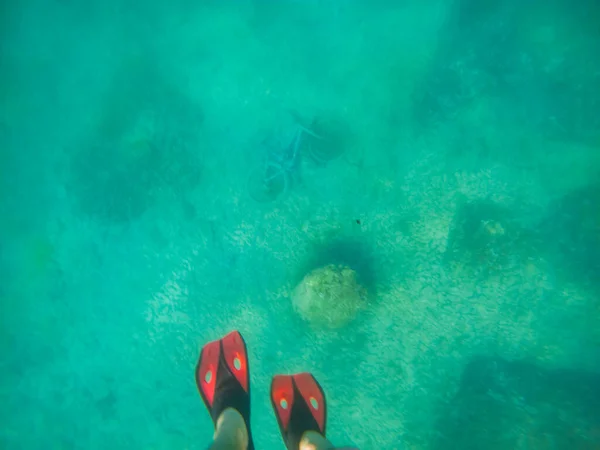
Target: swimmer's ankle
(311, 440)
(230, 431)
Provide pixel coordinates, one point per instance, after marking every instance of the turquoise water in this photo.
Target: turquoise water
(463, 188)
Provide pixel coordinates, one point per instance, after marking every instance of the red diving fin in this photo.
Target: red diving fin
(299, 404)
(223, 378)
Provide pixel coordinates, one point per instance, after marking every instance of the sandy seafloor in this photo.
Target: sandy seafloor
(128, 237)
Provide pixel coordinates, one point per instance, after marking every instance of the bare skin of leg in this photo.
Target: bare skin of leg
(312, 440)
(230, 433)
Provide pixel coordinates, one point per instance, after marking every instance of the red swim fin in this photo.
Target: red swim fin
(223, 378)
(299, 405)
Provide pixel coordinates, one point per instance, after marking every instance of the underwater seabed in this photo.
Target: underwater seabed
(470, 239)
(452, 274)
(431, 316)
(520, 405)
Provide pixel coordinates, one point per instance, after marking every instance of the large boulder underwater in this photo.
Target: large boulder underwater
(330, 296)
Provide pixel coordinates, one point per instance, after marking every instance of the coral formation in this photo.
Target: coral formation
(329, 296)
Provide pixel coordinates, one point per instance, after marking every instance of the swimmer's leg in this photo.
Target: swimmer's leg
(230, 432)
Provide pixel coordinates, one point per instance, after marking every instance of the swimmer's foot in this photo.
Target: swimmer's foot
(301, 410)
(299, 404)
(223, 378)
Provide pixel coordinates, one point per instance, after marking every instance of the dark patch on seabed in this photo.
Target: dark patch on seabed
(502, 404)
(145, 145)
(536, 56)
(486, 238)
(571, 231)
